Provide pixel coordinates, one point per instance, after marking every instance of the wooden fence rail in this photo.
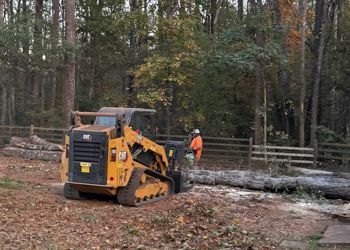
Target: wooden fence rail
(233, 149)
(217, 147)
(334, 152)
(283, 154)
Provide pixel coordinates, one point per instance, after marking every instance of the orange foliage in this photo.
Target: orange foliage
(291, 19)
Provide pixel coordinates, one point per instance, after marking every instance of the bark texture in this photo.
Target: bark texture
(33, 148)
(69, 81)
(318, 50)
(44, 155)
(303, 7)
(330, 186)
(34, 143)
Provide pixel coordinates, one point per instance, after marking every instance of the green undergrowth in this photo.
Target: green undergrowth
(9, 183)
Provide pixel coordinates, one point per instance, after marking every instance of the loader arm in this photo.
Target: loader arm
(132, 138)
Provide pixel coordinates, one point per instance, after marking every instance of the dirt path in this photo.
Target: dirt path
(34, 214)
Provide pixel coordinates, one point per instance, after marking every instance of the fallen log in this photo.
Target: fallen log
(313, 172)
(33, 154)
(34, 143)
(328, 186)
(24, 143)
(45, 144)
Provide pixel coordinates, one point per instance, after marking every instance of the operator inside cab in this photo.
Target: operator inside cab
(197, 144)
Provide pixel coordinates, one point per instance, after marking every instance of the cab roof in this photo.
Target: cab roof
(126, 112)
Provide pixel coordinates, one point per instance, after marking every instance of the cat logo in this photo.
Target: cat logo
(87, 137)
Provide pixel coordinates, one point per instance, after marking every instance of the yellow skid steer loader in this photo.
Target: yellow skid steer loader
(115, 156)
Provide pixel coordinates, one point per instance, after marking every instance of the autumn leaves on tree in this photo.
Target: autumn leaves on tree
(275, 70)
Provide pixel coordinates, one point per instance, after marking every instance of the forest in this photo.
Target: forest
(275, 70)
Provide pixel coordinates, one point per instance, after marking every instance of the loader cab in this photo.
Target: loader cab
(143, 122)
(140, 120)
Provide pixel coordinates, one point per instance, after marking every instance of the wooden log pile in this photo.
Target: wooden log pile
(33, 148)
(330, 186)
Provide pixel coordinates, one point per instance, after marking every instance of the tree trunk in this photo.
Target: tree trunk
(2, 85)
(259, 131)
(27, 88)
(320, 27)
(215, 6)
(69, 81)
(54, 60)
(12, 105)
(133, 51)
(37, 49)
(328, 185)
(1, 12)
(240, 10)
(303, 7)
(259, 107)
(283, 73)
(182, 9)
(9, 10)
(3, 101)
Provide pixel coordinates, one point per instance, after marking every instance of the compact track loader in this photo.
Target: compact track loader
(115, 156)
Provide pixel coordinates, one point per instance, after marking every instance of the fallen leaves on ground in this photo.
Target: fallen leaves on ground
(35, 215)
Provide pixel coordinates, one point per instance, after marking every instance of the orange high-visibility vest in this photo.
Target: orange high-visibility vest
(197, 144)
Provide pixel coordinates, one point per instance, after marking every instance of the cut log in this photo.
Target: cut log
(310, 172)
(34, 143)
(33, 154)
(313, 172)
(25, 143)
(46, 145)
(328, 186)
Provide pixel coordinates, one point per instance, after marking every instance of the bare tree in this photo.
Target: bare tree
(3, 100)
(260, 86)
(2, 85)
(37, 48)
(303, 8)
(69, 81)
(240, 10)
(318, 50)
(54, 39)
(1, 12)
(133, 49)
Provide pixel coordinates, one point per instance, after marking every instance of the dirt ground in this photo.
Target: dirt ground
(35, 215)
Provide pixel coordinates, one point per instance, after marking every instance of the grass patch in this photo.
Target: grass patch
(208, 212)
(89, 218)
(130, 230)
(302, 193)
(313, 241)
(10, 183)
(161, 220)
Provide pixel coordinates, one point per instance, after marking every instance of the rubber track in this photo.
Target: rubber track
(70, 193)
(126, 195)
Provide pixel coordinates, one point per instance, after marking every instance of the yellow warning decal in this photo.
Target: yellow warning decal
(171, 152)
(85, 167)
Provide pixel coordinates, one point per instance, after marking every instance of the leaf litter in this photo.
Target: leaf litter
(37, 216)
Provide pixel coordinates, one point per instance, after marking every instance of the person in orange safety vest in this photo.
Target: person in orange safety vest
(197, 145)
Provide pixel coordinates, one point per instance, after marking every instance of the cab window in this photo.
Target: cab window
(106, 121)
(143, 123)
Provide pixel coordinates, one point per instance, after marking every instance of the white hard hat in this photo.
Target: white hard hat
(196, 131)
